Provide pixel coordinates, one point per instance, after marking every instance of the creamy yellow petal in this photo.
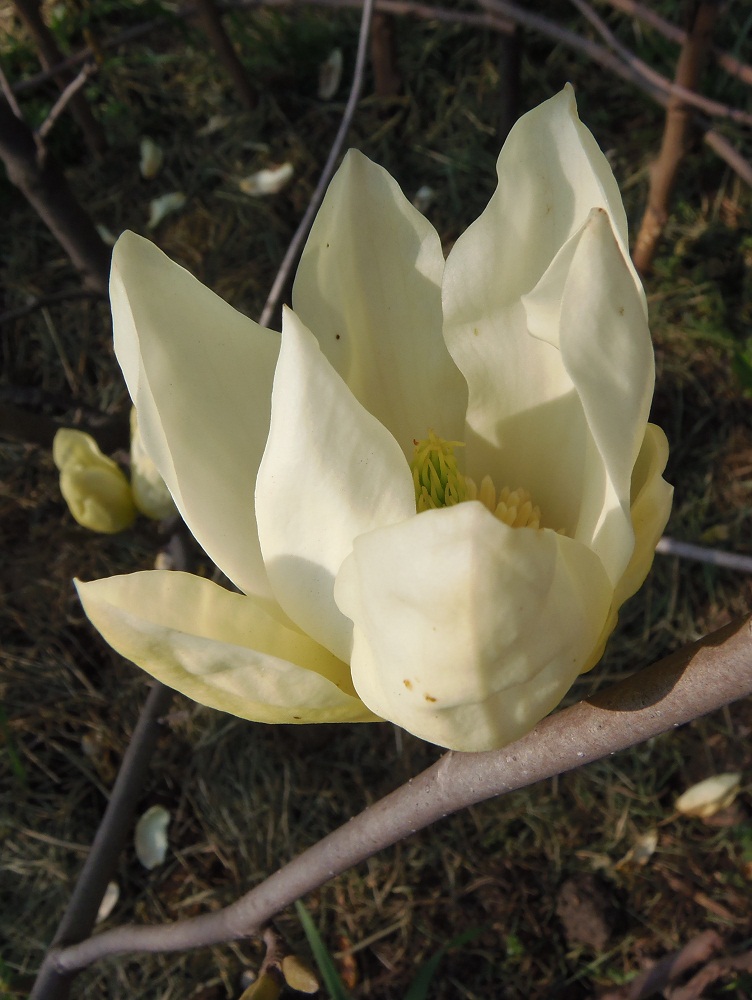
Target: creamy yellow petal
(651, 507)
(467, 632)
(221, 649)
(330, 472)
(369, 287)
(150, 492)
(200, 375)
(551, 174)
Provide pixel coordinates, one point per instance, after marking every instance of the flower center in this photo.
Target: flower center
(439, 483)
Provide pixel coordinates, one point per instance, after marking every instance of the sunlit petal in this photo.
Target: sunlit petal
(468, 632)
(200, 375)
(369, 288)
(223, 650)
(330, 472)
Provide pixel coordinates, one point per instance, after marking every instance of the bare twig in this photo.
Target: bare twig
(732, 65)
(30, 12)
(685, 550)
(710, 107)
(655, 979)
(60, 104)
(10, 97)
(52, 982)
(676, 136)
(211, 21)
(685, 685)
(293, 250)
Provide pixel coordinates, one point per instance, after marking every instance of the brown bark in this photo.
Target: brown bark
(676, 136)
(43, 183)
(50, 56)
(384, 56)
(211, 22)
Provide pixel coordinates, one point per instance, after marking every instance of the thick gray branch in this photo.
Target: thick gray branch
(691, 682)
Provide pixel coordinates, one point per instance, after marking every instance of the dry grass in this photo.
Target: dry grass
(245, 798)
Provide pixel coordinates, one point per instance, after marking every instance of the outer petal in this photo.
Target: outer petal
(368, 286)
(651, 506)
(551, 174)
(606, 349)
(200, 375)
(468, 632)
(330, 472)
(221, 649)
(150, 492)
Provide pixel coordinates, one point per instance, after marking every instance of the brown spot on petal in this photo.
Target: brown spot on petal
(408, 684)
(429, 697)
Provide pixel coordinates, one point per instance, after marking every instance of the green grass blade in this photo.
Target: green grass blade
(323, 959)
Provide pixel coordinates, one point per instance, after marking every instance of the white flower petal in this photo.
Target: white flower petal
(607, 351)
(269, 181)
(152, 158)
(708, 797)
(223, 650)
(368, 287)
(150, 838)
(467, 632)
(330, 75)
(150, 492)
(200, 375)
(329, 473)
(551, 174)
(109, 901)
(160, 208)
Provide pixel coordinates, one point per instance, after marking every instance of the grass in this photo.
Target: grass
(246, 798)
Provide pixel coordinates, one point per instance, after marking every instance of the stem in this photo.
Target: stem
(293, 251)
(52, 982)
(689, 683)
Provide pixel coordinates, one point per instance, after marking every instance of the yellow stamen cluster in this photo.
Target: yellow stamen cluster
(437, 480)
(513, 507)
(439, 483)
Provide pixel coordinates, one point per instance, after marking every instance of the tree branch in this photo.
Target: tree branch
(293, 250)
(81, 912)
(685, 685)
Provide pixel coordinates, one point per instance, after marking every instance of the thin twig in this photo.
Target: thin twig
(10, 97)
(685, 550)
(293, 250)
(78, 920)
(49, 300)
(60, 104)
(713, 108)
(732, 65)
(684, 686)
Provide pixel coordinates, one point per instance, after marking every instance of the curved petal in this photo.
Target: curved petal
(200, 375)
(468, 632)
(651, 507)
(221, 649)
(368, 286)
(608, 353)
(150, 493)
(551, 174)
(330, 472)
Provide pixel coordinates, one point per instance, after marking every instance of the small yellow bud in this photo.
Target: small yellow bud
(95, 489)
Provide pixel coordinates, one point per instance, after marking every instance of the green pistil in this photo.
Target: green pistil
(438, 481)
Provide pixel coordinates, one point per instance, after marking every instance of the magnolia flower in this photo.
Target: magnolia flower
(435, 489)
